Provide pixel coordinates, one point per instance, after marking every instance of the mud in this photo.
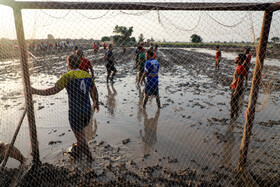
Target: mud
(190, 141)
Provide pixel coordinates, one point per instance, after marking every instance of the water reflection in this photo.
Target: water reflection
(150, 131)
(90, 132)
(111, 101)
(228, 144)
(140, 103)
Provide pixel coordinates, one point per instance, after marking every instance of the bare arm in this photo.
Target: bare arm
(94, 96)
(143, 77)
(92, 72)
(49, 91)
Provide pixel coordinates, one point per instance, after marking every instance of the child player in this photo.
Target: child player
(79, 85)
(237, 84)
(218, 57)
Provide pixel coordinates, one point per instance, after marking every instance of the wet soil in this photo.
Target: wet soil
(190, 141)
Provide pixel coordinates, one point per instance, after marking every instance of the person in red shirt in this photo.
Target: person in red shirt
(237, 84)
(95, 48)
(218, 57)
(247, 63)
(104, 46)
(85, 64)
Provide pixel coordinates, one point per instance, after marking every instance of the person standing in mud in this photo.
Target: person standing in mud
(156, 47)
(95, 49)
(140, 63)
(154, 53)
(218, 57)
(85, 64)
(110, 63)
(237, 85)
(151, 85)
(247, 63)
(124, 49)
(76, 49)
(79, 86)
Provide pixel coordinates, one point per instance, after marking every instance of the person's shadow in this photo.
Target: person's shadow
(111, 101)
(150, 131)
(228, 144)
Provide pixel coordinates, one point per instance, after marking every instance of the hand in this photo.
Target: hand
(95, 106)
(141, 81)
(229, 86)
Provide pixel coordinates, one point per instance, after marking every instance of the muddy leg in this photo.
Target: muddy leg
(82, 145)
(108, 75)
(145, 100)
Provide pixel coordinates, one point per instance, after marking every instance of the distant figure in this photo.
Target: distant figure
(15, 153)
(110, 63)
(95, 48)
(104, 46)
(136, 54)
(140, 63)
(85, 64)
(237, 85)
(79, 86)
(151, 85)
(124, 49)
(76, 49)
(156, 47)
(154, 53)
(247, 63)
(218, 58)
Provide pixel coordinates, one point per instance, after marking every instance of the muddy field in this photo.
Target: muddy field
(191, 140)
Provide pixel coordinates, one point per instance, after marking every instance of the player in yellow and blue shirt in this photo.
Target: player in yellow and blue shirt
(80, 86)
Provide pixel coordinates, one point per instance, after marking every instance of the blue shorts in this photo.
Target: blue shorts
(151, 90)
(78, 121)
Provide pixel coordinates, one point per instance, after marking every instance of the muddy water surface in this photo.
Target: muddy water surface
(191, 130)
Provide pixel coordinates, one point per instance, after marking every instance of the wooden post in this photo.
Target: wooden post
(26, 82)
(255, 89)
(7, 154)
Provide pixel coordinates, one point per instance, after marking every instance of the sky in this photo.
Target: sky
(160, 25)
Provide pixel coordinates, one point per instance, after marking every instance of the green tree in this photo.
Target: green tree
(105, 38)
(275, 39)
(117, 39)
(141, 38)
(133, 39)
(196, 38)
(124, 33)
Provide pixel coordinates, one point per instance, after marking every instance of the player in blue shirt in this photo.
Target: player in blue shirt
(79, 84)
(151, 72)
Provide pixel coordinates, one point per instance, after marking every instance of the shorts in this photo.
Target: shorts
(110, 67)
(217, 62)
(78, 121)
(149, 91)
